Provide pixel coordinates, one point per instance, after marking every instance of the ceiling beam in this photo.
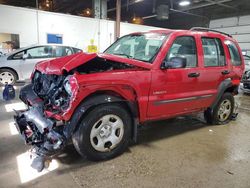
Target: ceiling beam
(126, 5)
(176, 11)
(221, 4)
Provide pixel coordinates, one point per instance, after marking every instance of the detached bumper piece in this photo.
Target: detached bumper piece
(43, 134)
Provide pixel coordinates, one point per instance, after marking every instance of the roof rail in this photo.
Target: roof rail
(207, 29)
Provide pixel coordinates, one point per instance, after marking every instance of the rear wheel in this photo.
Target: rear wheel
(104, 133)
(222, 112)
(7, 76)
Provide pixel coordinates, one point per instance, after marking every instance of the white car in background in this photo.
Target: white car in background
(19, 64)
(247, 62)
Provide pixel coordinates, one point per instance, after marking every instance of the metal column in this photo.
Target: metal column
(118, 19)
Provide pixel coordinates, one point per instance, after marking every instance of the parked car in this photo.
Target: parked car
(246, 76)
(246, 82)
(98, 100)
(19, 65)
(247, 62)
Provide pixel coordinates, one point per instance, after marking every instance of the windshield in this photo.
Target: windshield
(143, 47)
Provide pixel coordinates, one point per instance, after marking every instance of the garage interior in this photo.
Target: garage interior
(181, 152)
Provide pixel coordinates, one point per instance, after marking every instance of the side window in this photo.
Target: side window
(60, 51)
(213, 52)
(234, 53)
(18, 55)
(184, 46)
(39, 52)
(68, 51)
(76, 50)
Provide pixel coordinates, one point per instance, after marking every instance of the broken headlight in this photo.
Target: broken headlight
(67, 86)
(70, 85)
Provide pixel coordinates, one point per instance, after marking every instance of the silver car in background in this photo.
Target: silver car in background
(19, 64)
(247, 62)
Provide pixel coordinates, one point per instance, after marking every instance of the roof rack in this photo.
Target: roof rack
(207, 29)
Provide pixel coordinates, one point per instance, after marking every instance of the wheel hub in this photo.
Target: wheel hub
(224, 110)
(107, 133)
(6, 77)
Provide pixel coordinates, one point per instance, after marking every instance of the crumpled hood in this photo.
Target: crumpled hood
(57, 66)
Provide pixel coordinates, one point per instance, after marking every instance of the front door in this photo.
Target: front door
(175, 91)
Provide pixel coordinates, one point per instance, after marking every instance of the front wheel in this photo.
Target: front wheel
(104, 132)
(222, 112)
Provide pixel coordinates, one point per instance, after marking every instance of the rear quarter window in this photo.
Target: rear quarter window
(234, 53)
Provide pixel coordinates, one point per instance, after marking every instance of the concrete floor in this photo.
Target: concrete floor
(182, 152)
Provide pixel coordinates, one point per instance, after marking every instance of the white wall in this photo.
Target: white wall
(77, 31)
(238, 27)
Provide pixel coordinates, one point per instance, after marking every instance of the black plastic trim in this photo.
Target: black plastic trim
(224, 85)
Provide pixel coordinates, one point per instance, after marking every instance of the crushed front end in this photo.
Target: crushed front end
(46, 94)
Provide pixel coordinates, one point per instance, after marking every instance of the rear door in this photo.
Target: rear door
(214, 68)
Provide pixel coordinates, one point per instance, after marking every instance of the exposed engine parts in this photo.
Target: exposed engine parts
(34, 116)
(53, 90)
(101, 65)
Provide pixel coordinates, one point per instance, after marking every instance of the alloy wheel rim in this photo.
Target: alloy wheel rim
(107, 133)
(224, 110)
(6, 77)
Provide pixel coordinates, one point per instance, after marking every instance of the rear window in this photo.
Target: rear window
(213, 52)
(234, 53)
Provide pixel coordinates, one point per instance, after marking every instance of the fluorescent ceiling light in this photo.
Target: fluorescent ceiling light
(184, 3)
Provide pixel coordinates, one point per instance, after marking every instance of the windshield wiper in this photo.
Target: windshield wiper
(121, 54)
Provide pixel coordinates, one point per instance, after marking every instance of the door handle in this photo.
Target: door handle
(194, 75)
(225, 72)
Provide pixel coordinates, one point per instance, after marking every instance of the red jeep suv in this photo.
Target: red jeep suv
(98, 100)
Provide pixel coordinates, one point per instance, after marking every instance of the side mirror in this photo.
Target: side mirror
(25, 56)
(174, 63)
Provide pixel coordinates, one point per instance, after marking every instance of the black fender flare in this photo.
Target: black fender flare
(224, 85)
(95, 100)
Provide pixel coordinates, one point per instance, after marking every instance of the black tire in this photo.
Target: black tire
(9, 71)
(211, 115)
(81, 137)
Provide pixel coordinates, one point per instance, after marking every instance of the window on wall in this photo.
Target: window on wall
(213, 52)
(234, 53)
(184, 46)
(54, 39)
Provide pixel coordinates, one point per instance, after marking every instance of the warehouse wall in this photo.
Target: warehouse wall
(238, 27)
(77, 31)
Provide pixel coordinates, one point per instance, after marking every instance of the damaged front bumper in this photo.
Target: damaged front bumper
(43, 134)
